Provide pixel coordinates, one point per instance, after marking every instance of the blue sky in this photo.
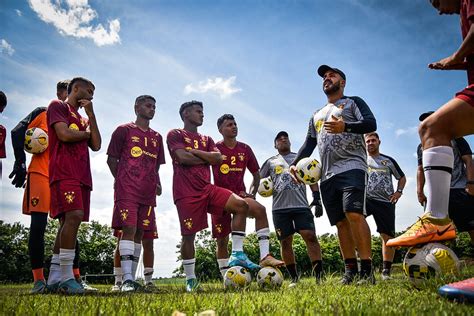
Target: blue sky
(254, 59)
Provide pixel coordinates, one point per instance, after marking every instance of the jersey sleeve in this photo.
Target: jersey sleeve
(395, 169)
(18, 133)
(174, 140)
(116, 142)
(265, 170)
(161, 151)
(211, 145)
(57, 112)
(252, 164)
(366, 120)
(463, 146)
(419, 155)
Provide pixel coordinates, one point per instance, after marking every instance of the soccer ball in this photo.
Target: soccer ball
(237, 278)
(269, 278)
(265, 187)
(36, 140)
(308, 170)
(423, 262)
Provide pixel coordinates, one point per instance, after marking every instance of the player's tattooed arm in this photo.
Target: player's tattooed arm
(112, 162)
(211, 157)
(185, 157)
(68, 135)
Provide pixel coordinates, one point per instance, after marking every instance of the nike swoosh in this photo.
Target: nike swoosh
(443, 231)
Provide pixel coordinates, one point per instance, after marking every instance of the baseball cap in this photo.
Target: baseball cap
(281, 133)
(425, 115)
(324, 68)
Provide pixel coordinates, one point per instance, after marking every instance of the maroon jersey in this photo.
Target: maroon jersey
(189, 180)
(67, 160)
(139, 155)
(230, 174)
(467, 17)
(3, 135)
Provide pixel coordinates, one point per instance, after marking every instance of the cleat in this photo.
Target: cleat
(270, 261)
(347, 278)
(386, 275)
(70, 287)
(239, 258)
(366, 279)
(130, 286)
(116, 287)
(426, 229)
(52, 288)
(462, 291)
(192, 285)
(150, 287)
(39, 287)
(87, 288)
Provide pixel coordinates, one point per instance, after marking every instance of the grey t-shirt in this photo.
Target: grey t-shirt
(458, 175)
(286, 192)
(344, 151)
(381, 169)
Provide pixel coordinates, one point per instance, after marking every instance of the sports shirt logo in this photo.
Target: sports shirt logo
(136, 151)
(225, 168)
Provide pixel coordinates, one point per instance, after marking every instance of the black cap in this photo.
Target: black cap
(281, 133)
(325, 68)
(425, 115)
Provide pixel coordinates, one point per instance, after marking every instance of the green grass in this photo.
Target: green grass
(393, 297)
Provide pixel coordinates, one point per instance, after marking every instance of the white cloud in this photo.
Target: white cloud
(76, 19)
(406, 131)
(6, 48)
(18, 12)
(223, 87)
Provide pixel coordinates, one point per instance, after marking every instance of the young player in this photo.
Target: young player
(194, 195)
(236, 158)
(135, 154)
(70, 178)
(3, 130)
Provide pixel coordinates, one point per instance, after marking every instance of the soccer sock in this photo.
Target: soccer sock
(387, 266)
(238, 240)
(263, 236)
(365, 267)
(75, 264)
(38, 274)
(118, 275)
(77, 273)
(292, 271)
(350, 266)
(126, 248)
(36, 240)
(136, 257)
(66, 257)
(438, 165)
(223, 265)
(148, 273)
(188, 266)
(317, 268)
(54, 270)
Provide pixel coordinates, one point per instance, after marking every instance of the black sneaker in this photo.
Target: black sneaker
(348, 278)
(366, 278)
(386, 275)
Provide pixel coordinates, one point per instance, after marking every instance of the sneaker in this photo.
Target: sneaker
(347, 278)
(239, 258)
(386, 275)
(116, 287)
(293, 283)
(150, 287)
(87, 288)
(270, 261)
(192, 285)
(462, 291)
(39, 287)
(70, 287)
(52, 288)
(130, 286)
(426, 229)
(366, 278)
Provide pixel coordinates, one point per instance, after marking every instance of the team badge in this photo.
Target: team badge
(218, 228)
(124, 214)
(34, 201)
(225, 168)
(241, 156)
(146, 222)
(188, 223)
(278, 169)
(154, 142)
(69, 197)
(136, 151)
(135, 139)
(74, 126)
(384, 162)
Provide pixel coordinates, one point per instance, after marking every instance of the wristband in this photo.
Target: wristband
(400, 191)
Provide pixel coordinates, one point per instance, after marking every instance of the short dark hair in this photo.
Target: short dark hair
(62, 85)
(224, 117)
(144, 97)
(188, 104)
(372, 134)
(78, 79)
(3, 99)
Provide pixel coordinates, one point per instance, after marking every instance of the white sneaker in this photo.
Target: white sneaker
(116, 287)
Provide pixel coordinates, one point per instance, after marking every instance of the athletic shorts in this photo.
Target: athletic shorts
(344, 192)
(150, 234)
(37, 196)
(291, 220)
(384, 216)
(69, 195)
(461, 209)
(467, 94)
(221, 225)
(134, 214)
(192, 210)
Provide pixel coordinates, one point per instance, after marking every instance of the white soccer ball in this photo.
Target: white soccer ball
(237, 278)
(36, 140)
(265, 187)
(269, 278)
(434, 259)
(308, 170)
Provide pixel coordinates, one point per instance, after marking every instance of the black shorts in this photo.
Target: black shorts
(344, 192)
(461, 209)
(384, 215)
(291, 220)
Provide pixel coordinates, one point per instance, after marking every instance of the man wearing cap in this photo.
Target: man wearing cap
(461, 204)
(338, 129)
(291, 212)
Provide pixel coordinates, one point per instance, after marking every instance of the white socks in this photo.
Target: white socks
(223, 265)
(126, 249)
(238, 241)
(66, 258)
(148, 273)
(188, 266)
(118, 275)
(54, 270)
(263, 236)
(136, 257)
(438, 164)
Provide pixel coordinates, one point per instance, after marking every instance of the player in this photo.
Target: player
(3, 130)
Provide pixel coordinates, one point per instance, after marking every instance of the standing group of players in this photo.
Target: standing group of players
(136, 152)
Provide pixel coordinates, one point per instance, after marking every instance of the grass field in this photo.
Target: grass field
(394, 297)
